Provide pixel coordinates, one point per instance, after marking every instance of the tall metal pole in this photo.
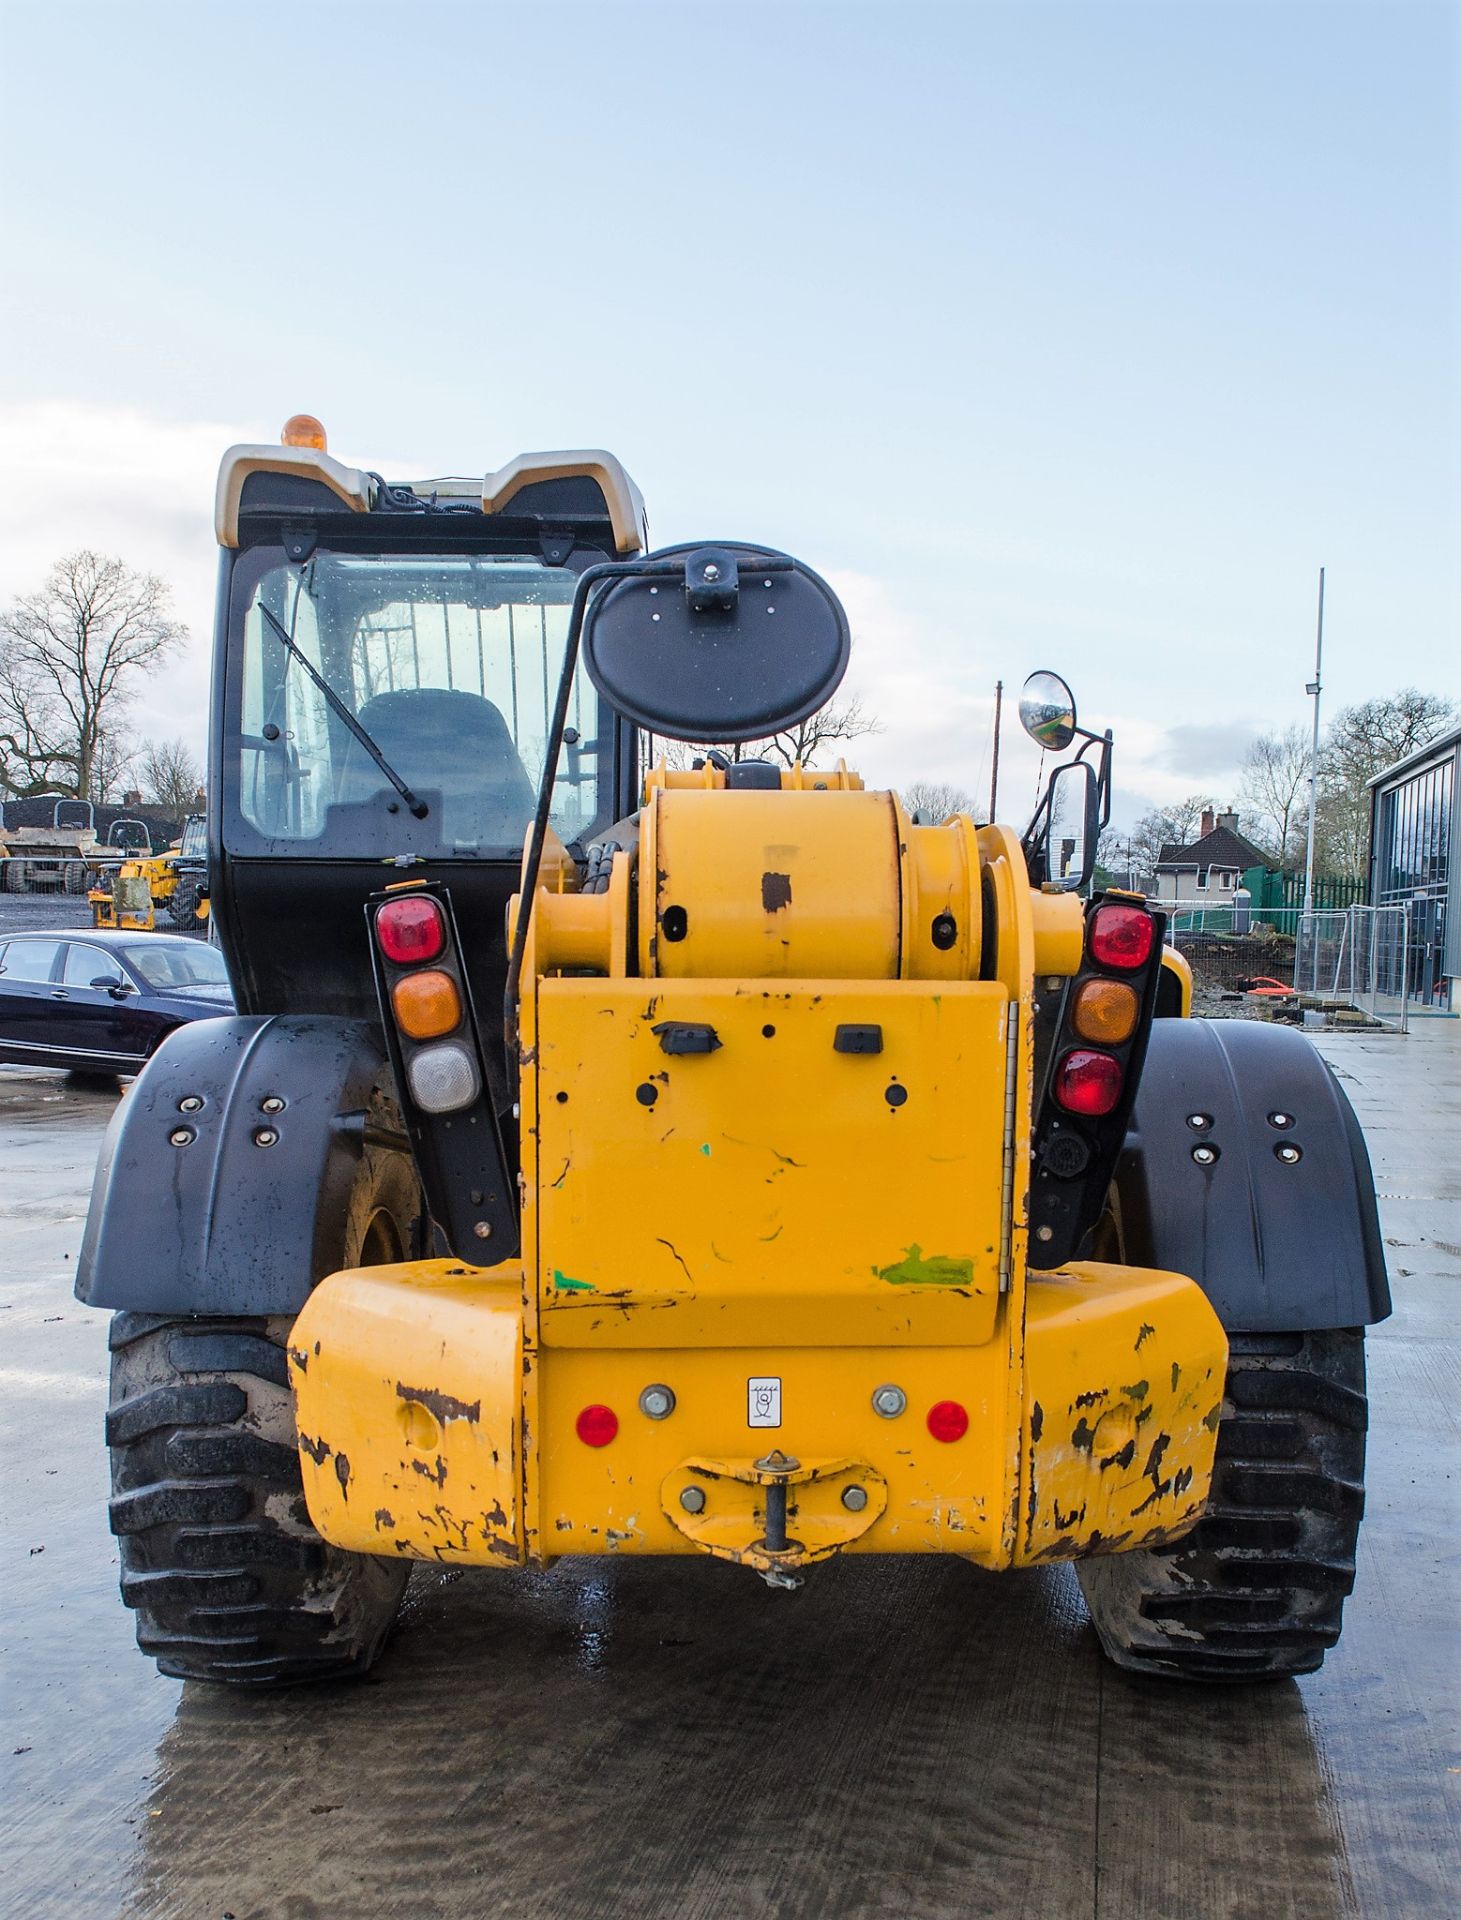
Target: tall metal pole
(1314, 689)
(994, 770)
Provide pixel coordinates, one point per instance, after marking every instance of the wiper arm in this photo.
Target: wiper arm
(418, 808)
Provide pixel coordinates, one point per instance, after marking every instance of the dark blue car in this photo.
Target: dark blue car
(102, 1002)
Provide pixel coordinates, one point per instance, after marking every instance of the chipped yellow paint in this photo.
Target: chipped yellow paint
(1124, 1372)
(770, 1229)
(1114, 1446)
(771, 1207)
(407, 1384)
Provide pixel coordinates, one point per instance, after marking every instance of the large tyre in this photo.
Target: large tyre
(1256, 1590)
(74, 879)
(182, 909)
(229, 1579)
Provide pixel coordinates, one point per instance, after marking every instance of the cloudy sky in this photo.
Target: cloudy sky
(1073, 336)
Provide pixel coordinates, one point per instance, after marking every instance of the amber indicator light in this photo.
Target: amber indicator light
(1105, 1011)
(427, 1004)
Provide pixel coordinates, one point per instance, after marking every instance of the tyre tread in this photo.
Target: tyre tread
(1257, 1589)
(227, 1578)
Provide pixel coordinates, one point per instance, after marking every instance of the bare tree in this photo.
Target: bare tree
(1274, 788)
(936, 801)
(33, 745)
(111, 768)
(828, 726)
(78, 647)
(170, 777)
(1174, 826)
(1360, 742)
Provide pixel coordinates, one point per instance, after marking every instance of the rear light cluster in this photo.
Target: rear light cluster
(1121, 938)
(427, 1001)
(431, 1034)
(1095, 1055)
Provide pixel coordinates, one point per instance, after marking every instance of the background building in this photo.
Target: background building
(1415, 850)
(1207, 872)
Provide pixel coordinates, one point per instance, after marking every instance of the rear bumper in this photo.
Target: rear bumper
(429, 1430)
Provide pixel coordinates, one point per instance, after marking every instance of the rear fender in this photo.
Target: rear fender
(1278, 1244)
(195, 1209)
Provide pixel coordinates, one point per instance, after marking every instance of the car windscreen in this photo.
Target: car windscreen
(448, 663)
(172, 962)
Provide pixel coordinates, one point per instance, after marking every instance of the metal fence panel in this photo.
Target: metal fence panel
(1257, 964)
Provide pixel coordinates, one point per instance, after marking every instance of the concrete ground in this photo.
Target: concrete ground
(51, 912)
(40, 912)
(902, 1737)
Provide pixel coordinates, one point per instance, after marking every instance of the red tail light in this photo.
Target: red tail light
(596, 1426)
(947, 1420)
(1121, 937)
(411, 930)
(1088, 1082)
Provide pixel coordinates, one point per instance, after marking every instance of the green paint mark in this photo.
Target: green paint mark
(706, 1150)
(563, 1284)
(938, 1270)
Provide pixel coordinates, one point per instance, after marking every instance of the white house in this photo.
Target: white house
(1208, 872)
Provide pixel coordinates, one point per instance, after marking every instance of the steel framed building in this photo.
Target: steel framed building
(1415, 862)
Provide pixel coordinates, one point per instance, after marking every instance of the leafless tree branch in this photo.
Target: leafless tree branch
(70, 659)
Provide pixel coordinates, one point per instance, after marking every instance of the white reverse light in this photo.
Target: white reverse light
(443, 1078)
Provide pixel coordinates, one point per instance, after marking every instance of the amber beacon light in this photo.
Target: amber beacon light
(303, 430)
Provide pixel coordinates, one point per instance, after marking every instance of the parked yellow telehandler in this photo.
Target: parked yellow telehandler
(790, 1180)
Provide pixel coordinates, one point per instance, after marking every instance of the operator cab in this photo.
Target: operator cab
(388, 660)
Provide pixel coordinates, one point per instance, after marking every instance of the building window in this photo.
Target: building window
(1410, 861)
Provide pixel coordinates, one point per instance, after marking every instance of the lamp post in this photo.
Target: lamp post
(1313, 689)
(1306, 938)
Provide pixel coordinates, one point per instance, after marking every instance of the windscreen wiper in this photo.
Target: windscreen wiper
(418, 808)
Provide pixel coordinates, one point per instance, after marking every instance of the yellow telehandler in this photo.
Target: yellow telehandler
(788, 1180)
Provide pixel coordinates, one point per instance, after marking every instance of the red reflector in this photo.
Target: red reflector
(947, 1420)
(596, 1426)
(1087, 1082)
(1121, 936)
(410, 930)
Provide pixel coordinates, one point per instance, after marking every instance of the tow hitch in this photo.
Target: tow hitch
(776, 1514)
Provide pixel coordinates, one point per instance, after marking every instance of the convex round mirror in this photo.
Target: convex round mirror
(1047, 711)
(725, 642)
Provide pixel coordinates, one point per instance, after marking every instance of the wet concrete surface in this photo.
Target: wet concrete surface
(902, 1737)
(52, 912)
(40, 912)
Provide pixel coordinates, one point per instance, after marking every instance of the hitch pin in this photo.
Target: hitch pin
(781, 1465)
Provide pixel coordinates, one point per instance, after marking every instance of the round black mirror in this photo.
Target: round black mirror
(1047, 711)
(726, 643)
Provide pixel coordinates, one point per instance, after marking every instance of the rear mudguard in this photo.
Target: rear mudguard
(1278, 1243)
(195, 1207)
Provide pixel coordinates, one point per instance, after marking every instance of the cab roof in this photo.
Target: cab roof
(567, 489)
